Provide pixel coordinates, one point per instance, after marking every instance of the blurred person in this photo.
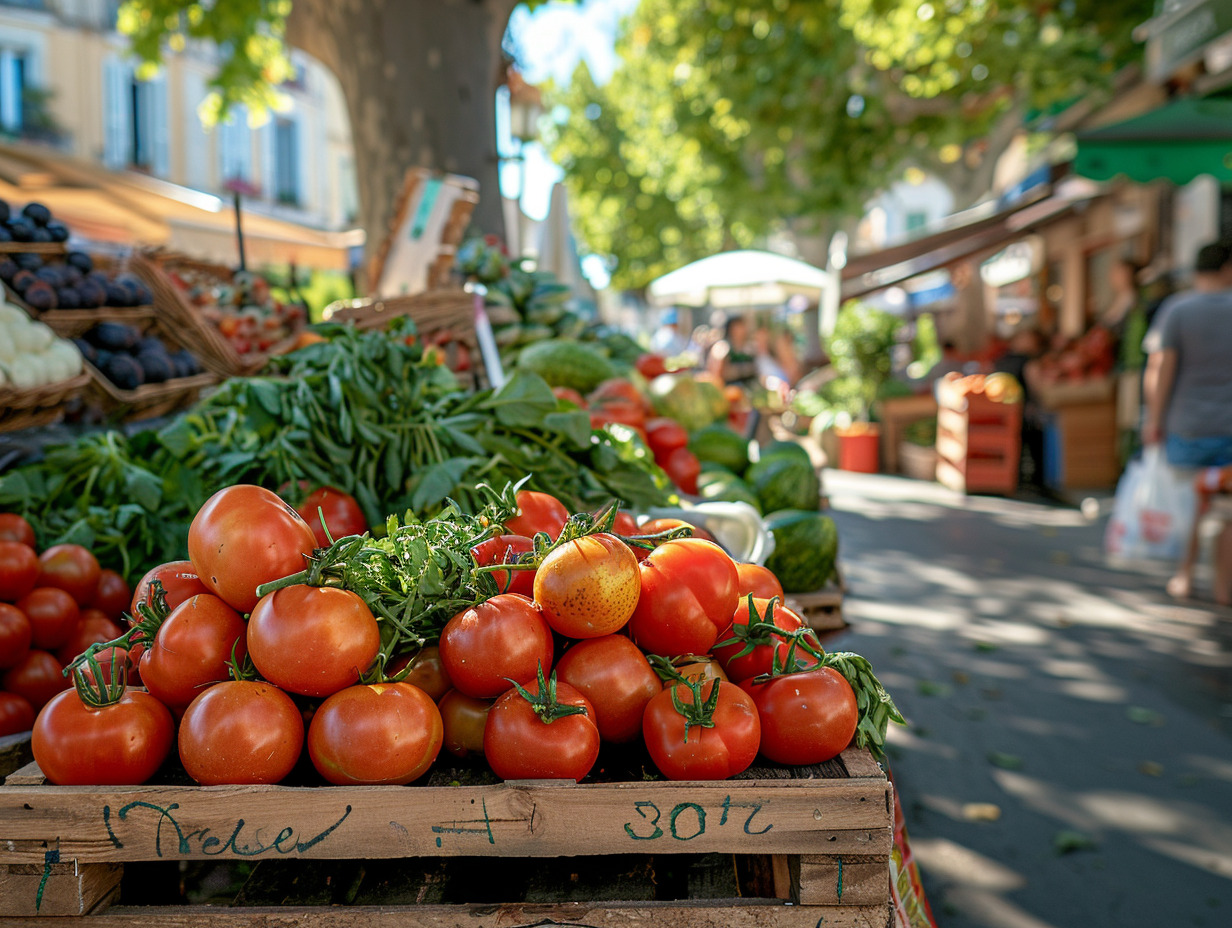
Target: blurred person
(785, 353)
(1188, 385)
(770, 374)
(1025, 346)
(1212, 273)
(731, 357)
(668, 340)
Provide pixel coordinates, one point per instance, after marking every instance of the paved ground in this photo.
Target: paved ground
(1069, 756)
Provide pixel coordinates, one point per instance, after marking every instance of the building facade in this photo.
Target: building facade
(66, 79)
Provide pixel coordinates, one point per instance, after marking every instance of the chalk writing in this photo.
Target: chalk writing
(647, 829)
(472, 826)
(202, 841)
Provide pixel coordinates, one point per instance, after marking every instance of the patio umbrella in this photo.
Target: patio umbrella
(1178, 142)
(738, 279)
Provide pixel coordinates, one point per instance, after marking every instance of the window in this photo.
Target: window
(136, 121)
(235, 147)
(916, 219)
(286, 162)
(12, 89)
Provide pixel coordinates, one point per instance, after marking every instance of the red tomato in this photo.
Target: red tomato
(19, 570)
(693, 667)
(764, 646)
(53, 615)
(312, 640)
(120, 744)
(93, 628)
(241, 731)
(109, 670)
(386, 733)
(14, 528)
(343, 516)
(427, 671)
(519, 745)
(589, 586)
(503, 639)
(617, 680)
(180, 583)
(14, 636)
(805, 717)
(112, 596)
(245, 536)
(192, 650)
(625, 525)
(537, 512)
(688, 595)
(650, 366)
(16, 714)
(663, 436)
(683, 467)
(37, 677)
(70, 568)
(655, 526)
(622, 411)
(569, 395)
(705, 753)
(464, 718)
(507, 549)
(758, 580)
(616, 388)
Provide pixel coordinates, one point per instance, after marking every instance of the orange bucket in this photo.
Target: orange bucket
(859, 449)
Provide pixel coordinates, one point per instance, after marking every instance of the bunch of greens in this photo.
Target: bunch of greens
(366, 413)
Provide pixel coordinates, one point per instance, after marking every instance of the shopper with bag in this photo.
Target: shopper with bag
(1189, 397)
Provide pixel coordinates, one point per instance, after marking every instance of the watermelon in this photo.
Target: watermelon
(785, 482)
(733, 490)
(680, 397)
(805, 549)
(784, 449)
(720, 445)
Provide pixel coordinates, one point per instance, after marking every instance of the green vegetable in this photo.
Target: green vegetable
(784, 482)
(781, 448)
(566, 364)
(680, 397)
(720, 445)
(805, 549)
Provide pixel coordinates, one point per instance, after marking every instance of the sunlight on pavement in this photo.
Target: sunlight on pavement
(962, 865)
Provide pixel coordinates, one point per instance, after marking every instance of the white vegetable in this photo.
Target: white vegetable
(70, 356)
(3, 378)
(8, 344)
(25, 372)
(40, 336)
(10, 313)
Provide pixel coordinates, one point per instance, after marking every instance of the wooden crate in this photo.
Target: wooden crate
(822, 835)
(1081, 446)
(979, 444)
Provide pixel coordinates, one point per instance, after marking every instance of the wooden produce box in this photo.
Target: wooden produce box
(822, 610)
(979, 444)
(1080, 446)
(823, 834)
(895, 414)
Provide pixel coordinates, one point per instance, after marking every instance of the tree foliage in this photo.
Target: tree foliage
(730, 120)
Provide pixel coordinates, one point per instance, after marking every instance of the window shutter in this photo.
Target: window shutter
(158, 123)
(117, 113)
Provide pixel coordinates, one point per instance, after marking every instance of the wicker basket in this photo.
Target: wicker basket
(155, 269)
(148, 400)
(26, 409)
(38, 248)
(70, 323)
(439, 315)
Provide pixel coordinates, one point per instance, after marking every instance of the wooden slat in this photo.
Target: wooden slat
(29, 775)
(860, 763)
(14, 753)
(96, 824)
(57, 888)
(833, 880)
(732, 913)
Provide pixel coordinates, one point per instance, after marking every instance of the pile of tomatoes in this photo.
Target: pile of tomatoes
(53, 605)
(633, 634)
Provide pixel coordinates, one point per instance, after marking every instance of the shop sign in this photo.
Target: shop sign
(1181, 36)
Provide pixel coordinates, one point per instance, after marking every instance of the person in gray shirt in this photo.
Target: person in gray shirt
(1190, 382)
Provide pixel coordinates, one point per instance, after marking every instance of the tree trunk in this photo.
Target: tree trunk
(419, 78)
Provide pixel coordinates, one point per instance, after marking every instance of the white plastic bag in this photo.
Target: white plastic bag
(1153, 512)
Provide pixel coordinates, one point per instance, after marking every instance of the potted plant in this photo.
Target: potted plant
(860, 351)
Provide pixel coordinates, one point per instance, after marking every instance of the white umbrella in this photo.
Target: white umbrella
(735, 279)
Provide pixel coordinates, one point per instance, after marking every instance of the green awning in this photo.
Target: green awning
(1177, 142)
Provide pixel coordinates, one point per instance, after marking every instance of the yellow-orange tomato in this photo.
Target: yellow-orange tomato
(696, 668)
(589, 586)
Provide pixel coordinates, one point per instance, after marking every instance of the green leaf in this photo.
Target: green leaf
(525, 400)
(143, 488)
(267, 395)
(575, 426)
(432, 484)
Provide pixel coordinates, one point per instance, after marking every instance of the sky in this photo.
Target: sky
(549, 44)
